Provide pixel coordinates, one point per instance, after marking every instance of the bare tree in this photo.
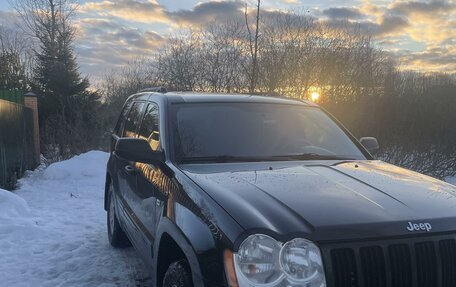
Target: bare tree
(46, 19)
(15, 59)
(180, 64)
(222, 56)
(118, 85)
(253, 45)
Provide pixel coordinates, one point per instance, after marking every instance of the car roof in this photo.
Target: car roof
(202, 97)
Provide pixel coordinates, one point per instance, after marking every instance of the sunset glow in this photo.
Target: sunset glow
(314, 96)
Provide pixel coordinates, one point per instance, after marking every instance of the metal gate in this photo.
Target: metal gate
(16, 142)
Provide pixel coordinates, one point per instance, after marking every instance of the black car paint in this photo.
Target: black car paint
(207, 208)
(330, 201)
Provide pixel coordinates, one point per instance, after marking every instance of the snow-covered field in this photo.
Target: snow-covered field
(53, 230)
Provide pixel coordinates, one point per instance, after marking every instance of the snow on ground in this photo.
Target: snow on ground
(53, 230)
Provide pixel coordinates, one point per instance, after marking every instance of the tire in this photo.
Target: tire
(116, 235)
(178, 275)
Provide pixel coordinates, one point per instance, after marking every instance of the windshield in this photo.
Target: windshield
(225, 132)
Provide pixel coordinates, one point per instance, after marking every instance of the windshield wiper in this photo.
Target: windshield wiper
(227, 158)
(312, 156)
(233, 158)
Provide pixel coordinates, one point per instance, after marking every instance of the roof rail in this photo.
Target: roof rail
(269, 94)
(159, 89)
(278, 95)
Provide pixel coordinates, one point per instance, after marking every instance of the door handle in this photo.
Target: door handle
(130, 170)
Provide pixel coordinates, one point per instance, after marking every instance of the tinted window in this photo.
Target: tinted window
(133, 120)
(122, 118)
(150, 126)
(258, 130)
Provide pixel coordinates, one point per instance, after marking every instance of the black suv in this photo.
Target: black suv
(248, 190)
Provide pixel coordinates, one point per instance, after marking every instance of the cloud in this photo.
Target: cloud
(8, 18)
(441, 59)
(132, 10)
(290, 1)
(387, 27)
(150, 11)
(113, 32)
(391, 24)
(423, 8)
(105, 44)
(343, 13)
(388, 42)
(208, 11)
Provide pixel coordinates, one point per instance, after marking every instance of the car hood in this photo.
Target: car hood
(328, 200)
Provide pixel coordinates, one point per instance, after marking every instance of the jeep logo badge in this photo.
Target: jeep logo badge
(419, 226)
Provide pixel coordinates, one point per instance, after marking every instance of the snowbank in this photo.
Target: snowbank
(11, 206)
(15, 222)
(88, 165)
(53, 230)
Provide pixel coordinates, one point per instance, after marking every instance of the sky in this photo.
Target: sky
(420, 35)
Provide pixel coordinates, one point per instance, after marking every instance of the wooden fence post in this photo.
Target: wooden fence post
(31, 102)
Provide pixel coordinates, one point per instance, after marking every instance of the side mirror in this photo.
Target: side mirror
(370, 143)
(138, 150)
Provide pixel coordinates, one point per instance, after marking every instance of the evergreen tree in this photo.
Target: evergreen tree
(56, 74)
(64, 94)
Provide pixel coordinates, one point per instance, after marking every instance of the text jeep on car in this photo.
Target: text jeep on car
(247, 190)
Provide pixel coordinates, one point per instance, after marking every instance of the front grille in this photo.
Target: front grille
(409, 262)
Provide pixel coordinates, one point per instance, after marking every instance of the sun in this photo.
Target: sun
(314, 96)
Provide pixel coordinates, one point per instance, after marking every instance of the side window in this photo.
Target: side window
(133, 120)
(150, 127)
(122, 118)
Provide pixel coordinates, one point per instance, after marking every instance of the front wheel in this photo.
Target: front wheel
(116, 235)
(178, 275)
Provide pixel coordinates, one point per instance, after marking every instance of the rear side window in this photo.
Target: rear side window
(122, 118)
(133, 120)
(150, 126)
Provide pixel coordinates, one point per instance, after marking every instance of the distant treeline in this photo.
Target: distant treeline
(414, 118)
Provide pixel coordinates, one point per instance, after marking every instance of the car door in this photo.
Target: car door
(148, 176)
(127, 175)
(117, 163)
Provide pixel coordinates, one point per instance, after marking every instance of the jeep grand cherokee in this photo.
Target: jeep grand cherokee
(246, 190)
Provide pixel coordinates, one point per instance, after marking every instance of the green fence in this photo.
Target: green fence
(16, 142)
(15, 96)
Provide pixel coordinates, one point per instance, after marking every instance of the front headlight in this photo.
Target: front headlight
(257, 261)
(301, 261)
(263, 261)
